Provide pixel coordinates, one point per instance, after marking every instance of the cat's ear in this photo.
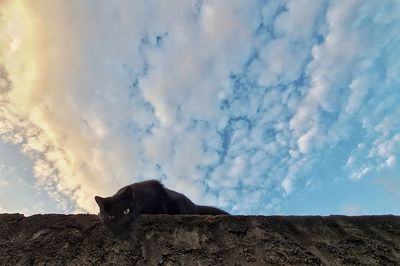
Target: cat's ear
(99, 201)
(128, 192)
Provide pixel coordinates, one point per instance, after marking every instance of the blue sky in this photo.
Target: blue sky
(257, 107)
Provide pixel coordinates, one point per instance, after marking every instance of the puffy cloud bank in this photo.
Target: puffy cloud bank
(230, 102)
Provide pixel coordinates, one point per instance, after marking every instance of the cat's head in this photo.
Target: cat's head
(119, 211)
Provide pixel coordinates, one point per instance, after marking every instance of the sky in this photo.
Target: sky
(258, 107)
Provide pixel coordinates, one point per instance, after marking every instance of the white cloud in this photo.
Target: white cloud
(359, 173)
(358, 90)
(4, 183)
(2, 210)
(304, 142)
(296, 23)
(352, 209)
(228, 103)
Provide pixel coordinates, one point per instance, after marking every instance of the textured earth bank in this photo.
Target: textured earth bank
(201, 240)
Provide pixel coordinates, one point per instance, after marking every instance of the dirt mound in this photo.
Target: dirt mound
(201, 240)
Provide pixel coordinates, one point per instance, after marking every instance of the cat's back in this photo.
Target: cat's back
(145, 187)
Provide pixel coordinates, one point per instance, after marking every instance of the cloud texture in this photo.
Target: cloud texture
(233, 104)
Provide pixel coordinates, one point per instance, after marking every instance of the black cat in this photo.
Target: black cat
(149, 197)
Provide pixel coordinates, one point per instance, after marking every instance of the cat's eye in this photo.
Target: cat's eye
(111, 217)
(126, 211)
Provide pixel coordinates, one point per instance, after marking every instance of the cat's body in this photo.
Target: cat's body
(147, 197)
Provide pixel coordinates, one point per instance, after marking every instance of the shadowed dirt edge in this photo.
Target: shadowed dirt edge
(201, 240)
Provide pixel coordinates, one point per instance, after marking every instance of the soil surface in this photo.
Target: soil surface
(201, 240)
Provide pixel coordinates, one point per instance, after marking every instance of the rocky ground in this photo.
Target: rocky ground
(201, 240)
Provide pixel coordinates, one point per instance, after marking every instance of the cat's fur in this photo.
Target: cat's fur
(149, 197)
